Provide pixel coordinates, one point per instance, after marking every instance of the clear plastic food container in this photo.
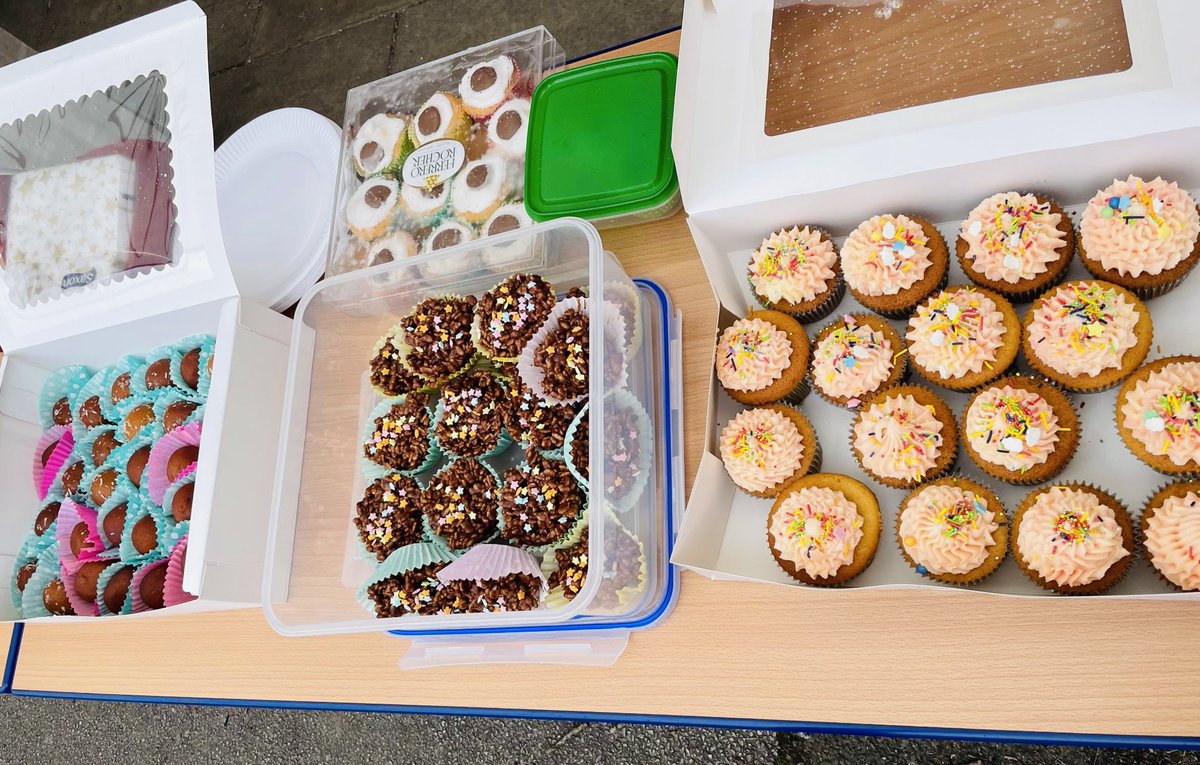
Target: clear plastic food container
(434, 156)
(314, 562)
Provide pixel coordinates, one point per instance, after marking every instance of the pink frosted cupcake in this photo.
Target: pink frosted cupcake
(963, 337)
(893, 262)
(1141, 235)
(905, 436)
(856, 356)
(767, 448)
(1020, 430)
(1087, 335)
(1158, 415)
(1016, 244)
(796, 271)
(1171, 534)
(952, 530)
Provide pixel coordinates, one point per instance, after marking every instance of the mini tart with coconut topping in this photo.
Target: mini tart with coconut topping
(372, 207)
(422, 203)
(396, 245)
(442, 116)
(450, 233)
(1073, 539)
(508, 128)
(1021, 430)
(380, 144)
(763, 359)
(1170, 533)
(963, 337)
(1158, 415)
(952, 530)
(904, 436)
(479, 189)
(767, 448)
(824, 529)
(893, 262)
(1087, 335)
(855, 356)
(488, 84)
(796, 271)
(1016, 244)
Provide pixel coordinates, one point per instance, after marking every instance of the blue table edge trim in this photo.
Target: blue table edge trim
(10, 664)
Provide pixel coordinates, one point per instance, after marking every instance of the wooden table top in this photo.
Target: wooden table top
(729, 650)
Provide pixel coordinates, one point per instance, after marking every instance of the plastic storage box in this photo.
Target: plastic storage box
(68, 93)
(314, 563)
(415, 143)
(600, 143)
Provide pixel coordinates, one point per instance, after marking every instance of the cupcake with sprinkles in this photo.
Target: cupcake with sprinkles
(893, 262)
(963, 337)
(508, 315)
(767, 448)
(535, 421)
(1021, 430)
(436, 339)
(1016, 244)
(856, 356)
(540, 502)
(565, 568)
(1141, 235)
(1087, 335)
(388, 516)
(763, 359)
(824, 530)
(1170, 533)
(952, 530)
(1158, 415)
(390, 376)
(461, 504)
(468, 420)
(1073, 539)
(399, 437)
(905, 436)
(796, 271)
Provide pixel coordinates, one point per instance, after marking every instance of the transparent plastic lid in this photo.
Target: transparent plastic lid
(434, 157)
(893, 54)
(317, 566)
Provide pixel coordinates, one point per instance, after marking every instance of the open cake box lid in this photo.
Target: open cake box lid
(106, 151)
(762, 117)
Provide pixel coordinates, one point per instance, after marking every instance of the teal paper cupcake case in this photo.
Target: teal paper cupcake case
(367, 555)
(128, 405)
(65, 382)
(137, 381)
(122, 454)
(120, 496)
(95, 387)
(48, 535)
(48, 570)
(438, 539)
(30, 551)
(568, 455)
(206, 361)
(407, 558)
(173, 396)
(140, 506)
(371, 469)
(187, 479)
(204, 344)
(102, 583)
(126, 365)
(83, 445)
(503, 439)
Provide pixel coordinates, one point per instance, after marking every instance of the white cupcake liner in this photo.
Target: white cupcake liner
(44, 475)
(156, 480)
(63, 382)
(622, 294)
(614, 333)
(568, 453)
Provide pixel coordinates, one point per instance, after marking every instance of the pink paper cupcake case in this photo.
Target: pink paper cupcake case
(70, 514)
(81, 606)
(135, 587)
(173, 592)
(156, 470)
(491, 562)
(44, 475)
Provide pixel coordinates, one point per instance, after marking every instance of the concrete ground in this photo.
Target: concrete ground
(265, 54)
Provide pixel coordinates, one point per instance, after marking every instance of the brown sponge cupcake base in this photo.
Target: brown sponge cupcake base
(1178, 489)
(791, 384)
(864, 552)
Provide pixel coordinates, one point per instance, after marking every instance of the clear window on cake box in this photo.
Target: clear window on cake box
(86, 194)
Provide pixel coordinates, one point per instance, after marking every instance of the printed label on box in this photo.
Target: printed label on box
(434, 163)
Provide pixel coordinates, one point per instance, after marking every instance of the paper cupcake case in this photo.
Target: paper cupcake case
(173, 396)
(140, 506)
(555, 596)
(628, 302)
(137, 381)
(384, 339)
(137, 605)
(503, 439)
(48, 536)
(128, 405)
(88, 438)
(372, 470)
(1141, 527)
(486, 562)
(573, 528)
(102, 583)
(71, 515)
(78, 604)
(627, 594)
(121, 490)
(437, 539)
(173, 592)
(63, 456)
(120, 456)
(44, 475)
(48, 569)
(94, 387)
(120, 496)
(615, 336)
(63, 382)
(156, 480)
(187, 479)
(30, 551)
(625, 401)
(205, 344)
(407, 558)
(126, 365)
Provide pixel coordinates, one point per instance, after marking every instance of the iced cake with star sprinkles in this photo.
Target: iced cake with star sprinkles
(763, 359)
(963, 337)
(767, 448)
(1073, 539)
(893, 262)
(904, 436)
(953, 530)
(1021, 430)
(1141, 235)
(855, 356)
(1170, 534)
(1087, 335)
(824, 529)
(1158, 415)
(796, 271)
(1016, 244)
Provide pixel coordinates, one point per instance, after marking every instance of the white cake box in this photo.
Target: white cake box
(133, 314)
(1064, 138)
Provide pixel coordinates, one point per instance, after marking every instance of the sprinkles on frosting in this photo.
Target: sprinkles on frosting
(814, 530)
(1016, 425)
(746, 349)
(913, 445)
(1071, 528)
(954, 325)
(961, 515)
(1089, 316)
(1006, 235)
(895, 246)
(1175, 415)
(753, 444)
(1140, 206)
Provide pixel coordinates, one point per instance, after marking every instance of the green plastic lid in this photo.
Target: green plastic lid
(600, 139)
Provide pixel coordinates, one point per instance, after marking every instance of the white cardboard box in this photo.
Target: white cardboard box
(938, 160)
(96, 327)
